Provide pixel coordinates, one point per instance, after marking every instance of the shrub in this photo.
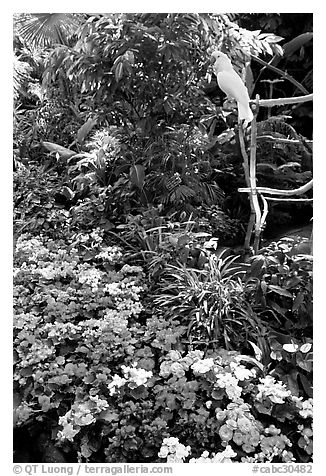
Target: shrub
(210, 302)
(279, 288)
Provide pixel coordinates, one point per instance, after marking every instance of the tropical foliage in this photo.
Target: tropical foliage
(142, 333)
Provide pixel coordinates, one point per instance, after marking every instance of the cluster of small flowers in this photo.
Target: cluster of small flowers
(229, 376)
(173, 451)
(222, 457)
(239, 425)
(129, 307)
(176, 365)
(33, 248)
(136, 376)
(132, 376)
(305, 440)
(116, 320)
(43, 259)
(202, 366)
(56, 271)
(37, 352)
(26, 320)
(305, 407)
(230, 383)
(22, 413)
(271, 389)
(93, 239)
(91, 276)
(111, 254)
(272, 445)
(240, 371)
(127, 269)
(61, 330)
(80, 414)
(119, 289)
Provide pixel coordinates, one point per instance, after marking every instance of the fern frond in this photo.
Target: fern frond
(181, 193)
(277, 125)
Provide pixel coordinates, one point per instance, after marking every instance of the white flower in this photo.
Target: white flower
(177, 369)
(137, 376)
(164, 451)
(113, 289)
(116, 382)
(171, 441)
(165, 369)
(202, 366)
(195, 355)
(173, 451)
(112, 254)
(174, 355)
(226, 379)
(182, 451)
(233, 392)
(307, 407)
(225, 456)
(275, 391)
(241, 372)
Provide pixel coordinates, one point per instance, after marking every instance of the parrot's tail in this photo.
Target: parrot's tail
(245, 113)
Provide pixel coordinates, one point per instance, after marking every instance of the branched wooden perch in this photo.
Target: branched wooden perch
(275, 191)
(257, 217)
(282, 101)
(282, 140)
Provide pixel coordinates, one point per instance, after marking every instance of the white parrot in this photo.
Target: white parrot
(231, 83)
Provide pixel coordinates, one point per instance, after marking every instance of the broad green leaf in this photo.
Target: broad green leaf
(280, 291)
(306, 385)
(258, 352)
(56, 148)
(137, 175)
(292, 382)
(118, 71)
(85, 129)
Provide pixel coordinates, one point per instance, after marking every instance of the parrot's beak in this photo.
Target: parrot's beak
(212, 60)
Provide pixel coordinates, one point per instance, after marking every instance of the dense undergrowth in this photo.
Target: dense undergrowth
(112, 357)
(139, 334)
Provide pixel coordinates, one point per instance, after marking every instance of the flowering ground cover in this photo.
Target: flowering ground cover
(106, 376)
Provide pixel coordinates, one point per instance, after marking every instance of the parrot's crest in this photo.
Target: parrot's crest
(219, 54)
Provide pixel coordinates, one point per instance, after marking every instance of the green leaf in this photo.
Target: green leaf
(85, 129)
(280, 291)
(118, 72)
(258, 352)
(306, 385)
(298, 301)
(292, 382)
(108, 415)
(56, 148)
(137, 175)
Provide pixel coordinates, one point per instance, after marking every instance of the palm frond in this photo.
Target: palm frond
(44, 29)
